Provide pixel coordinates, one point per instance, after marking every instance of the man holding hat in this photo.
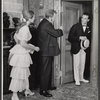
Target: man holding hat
(78, 37)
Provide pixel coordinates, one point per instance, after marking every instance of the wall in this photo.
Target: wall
(13, 7)
(87, 5)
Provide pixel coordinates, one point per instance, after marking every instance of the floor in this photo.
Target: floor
(63, 92)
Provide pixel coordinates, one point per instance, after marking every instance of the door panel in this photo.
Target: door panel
(70, 16)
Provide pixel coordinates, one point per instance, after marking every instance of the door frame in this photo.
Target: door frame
(94, 43)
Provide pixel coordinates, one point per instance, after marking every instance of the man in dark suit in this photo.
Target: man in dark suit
(47, 41)
(78, 33)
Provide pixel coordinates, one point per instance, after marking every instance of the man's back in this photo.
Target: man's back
(47, 38)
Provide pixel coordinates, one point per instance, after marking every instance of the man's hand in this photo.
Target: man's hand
(82, 37)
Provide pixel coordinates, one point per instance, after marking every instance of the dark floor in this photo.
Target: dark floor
(63, 92)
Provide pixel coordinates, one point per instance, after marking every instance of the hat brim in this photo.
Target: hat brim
(86, 45)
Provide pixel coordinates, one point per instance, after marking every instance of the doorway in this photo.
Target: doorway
(71, 12)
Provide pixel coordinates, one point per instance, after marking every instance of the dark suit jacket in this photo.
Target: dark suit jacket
(75, 32)
(47, 38)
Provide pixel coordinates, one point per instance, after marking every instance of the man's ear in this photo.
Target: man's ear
(50, 19)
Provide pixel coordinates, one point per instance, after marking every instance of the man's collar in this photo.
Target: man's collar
(84, 24)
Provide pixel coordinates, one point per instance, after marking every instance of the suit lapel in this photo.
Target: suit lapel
(86, 31)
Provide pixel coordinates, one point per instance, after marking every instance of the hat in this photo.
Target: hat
(85, 44)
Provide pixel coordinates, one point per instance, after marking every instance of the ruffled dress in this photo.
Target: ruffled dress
(20, 61)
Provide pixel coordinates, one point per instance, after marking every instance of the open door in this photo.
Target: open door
(70, 15)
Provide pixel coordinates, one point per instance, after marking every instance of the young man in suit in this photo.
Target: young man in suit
(47, 41)
(78, 33)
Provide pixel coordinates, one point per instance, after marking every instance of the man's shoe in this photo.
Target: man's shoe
(85, 81)
(77, 83)
(52, 88)
(45, 93)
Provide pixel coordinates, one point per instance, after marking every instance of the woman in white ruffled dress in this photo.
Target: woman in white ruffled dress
(20, 58)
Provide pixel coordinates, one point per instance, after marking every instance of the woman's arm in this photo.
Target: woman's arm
(29, 46)
(16, 40)
(10, 56)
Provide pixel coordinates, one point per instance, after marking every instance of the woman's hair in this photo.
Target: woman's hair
(27, 14)
(50, 13)
(16, 21)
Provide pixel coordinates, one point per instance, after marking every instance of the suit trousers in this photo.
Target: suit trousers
(79, 65)
(46, 72)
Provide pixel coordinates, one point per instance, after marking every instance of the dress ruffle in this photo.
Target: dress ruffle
(17, 85)
(18, 49)
(21, 56)
(21, 60)
(20, 73)
(19, 77)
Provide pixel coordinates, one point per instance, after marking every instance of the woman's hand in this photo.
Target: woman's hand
(32, 51)
(37, 49)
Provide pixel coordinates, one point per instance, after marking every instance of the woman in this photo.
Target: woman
(20, 58)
